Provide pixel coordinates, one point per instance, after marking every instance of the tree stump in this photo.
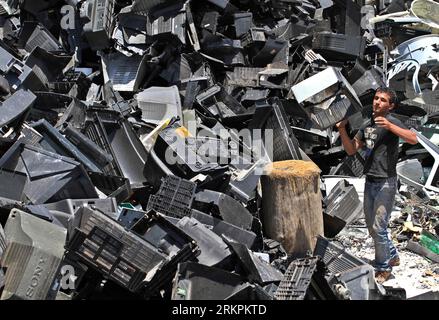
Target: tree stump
(292, 205)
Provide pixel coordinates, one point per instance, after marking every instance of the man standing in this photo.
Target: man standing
(380, 135)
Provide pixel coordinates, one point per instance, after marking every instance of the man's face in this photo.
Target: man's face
(381, 104)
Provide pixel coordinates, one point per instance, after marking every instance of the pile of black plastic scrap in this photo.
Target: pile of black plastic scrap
(127, 155)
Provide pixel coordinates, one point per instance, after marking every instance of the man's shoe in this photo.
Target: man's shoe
(394, 262)
(382, 276)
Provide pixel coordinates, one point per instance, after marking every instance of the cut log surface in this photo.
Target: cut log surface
(292, 206)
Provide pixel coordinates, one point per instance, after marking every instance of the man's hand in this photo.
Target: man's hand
(350, 145)
(383, 123)
(342, 124)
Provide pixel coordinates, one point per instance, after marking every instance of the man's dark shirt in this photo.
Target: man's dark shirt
(381, 148)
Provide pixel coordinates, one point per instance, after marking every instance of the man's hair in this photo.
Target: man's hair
(393, 98)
